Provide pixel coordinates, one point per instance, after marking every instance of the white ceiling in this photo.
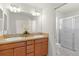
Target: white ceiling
(44, 5)
(28, 7)
(68, 8)
(38, 5)
(33, 5)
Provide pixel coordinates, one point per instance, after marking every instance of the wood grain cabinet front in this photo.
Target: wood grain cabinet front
(41, 47)
(8, 52)
(38, 51)
(37, 47)
(13, 49)
(44, 47)
(20, 51)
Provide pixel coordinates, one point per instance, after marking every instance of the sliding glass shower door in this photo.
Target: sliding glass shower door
(66, 33)
(69, 33)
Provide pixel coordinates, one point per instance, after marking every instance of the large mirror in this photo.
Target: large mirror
(1, 21)
(18, 18)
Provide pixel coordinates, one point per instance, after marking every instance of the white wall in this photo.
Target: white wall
(47, 23)
(67, 14)
(35, 25)
(38, 21)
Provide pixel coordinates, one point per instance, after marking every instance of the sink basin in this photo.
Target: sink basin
(13, 39)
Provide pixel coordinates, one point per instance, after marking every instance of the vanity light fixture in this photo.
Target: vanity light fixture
(14, 9)
(35, 13)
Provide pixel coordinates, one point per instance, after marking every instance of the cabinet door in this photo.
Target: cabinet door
(8, 52)
(41, 47)
(20, 51)
(44, 50)
(38, 48)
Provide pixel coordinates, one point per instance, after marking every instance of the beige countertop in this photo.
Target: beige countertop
(17, 38)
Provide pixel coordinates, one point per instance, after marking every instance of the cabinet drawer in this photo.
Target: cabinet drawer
(30, 54)
(30, 50)
(11, 45)
(29, 42)
(30, 47)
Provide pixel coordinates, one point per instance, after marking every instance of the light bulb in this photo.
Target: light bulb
(14, 9)
(18, 10)
(35, 13)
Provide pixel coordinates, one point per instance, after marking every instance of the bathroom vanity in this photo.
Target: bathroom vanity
(29, 45)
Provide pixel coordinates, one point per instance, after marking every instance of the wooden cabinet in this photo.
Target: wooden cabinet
(12, 45)
(20, 51)
(44, 47)
(8, 52)
(37, 47)
(13, 49)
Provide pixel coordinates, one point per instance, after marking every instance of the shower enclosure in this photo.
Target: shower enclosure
(67, 29)
(69, 33)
